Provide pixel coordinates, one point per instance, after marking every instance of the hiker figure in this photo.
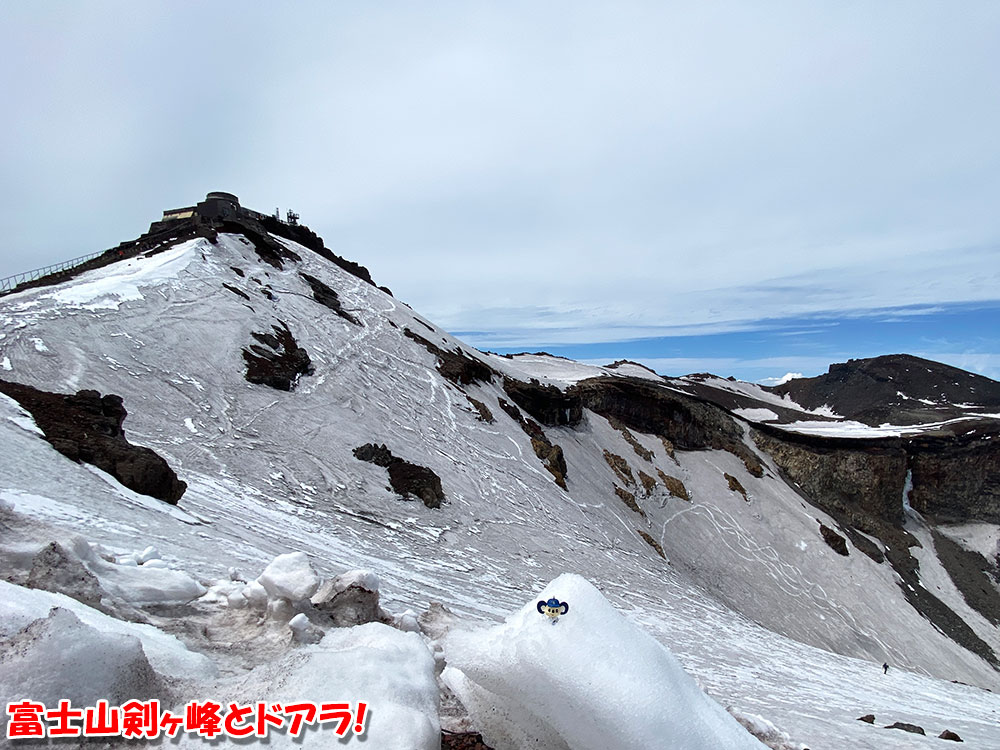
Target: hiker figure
(885, 668)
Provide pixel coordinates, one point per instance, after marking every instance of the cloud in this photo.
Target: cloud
(542, 174)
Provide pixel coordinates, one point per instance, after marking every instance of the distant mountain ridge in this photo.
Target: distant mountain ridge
(895, 388)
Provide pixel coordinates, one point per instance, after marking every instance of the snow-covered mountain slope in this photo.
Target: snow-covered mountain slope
(750, 592)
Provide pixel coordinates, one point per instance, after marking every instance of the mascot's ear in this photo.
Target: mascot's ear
(565, 607)
(539, 607)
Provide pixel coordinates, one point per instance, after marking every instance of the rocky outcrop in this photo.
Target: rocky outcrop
(867, 718)
(652, 543)
(277, 360)
(947, 734)
(912, 728)
(405, 478)
(860, 484)
(620, 466)
(973, 575)
(482, 410)
(851, 477)
(651, 409)
(957, 479)
(834, 540)
(327, 297)
(87, 428)
(674, 486)
(551, 455)
(897, 388)
(629, 499)
(545, 403)
(455, 365)
(734, 485)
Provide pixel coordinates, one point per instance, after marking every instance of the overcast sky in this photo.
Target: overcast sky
(750, 188)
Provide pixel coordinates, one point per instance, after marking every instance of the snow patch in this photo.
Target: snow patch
(21, 606)
(756, 415)
(590, 681)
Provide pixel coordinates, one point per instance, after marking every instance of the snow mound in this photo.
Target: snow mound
(529, 682)
(289, 577)
(58, 657)
(391, 671)
(20, 606)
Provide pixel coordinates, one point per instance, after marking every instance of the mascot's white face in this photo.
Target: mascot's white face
(552, 611)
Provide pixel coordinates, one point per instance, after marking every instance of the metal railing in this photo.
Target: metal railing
(9, 283)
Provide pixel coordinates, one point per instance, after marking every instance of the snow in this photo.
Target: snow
(391, 671)
(5, 364)
(756, 392)
(590, 681)
(756, 415)
(289, 576)
(58, 657)
(794, 636)
(20, 606)
(106, 288)
(364, 579)
(852, 429)
(13, 412)
(562, 372)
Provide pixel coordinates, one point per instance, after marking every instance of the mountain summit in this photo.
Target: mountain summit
(781, 550)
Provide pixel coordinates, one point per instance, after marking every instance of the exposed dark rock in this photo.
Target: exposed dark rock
(648, 408)
(957, 478)
(973, 575)
(652, 543)
(648, 482)
(674, 486)
(236, 291)
(947, 734)
(866, 545)
(307, 238)
(280, 364)
(327, 297)
(405, 478)
(354, 605)
(267, 248)
(668, 447)
(868, 390)
(551, 455)
(553, 459)
(629, 499)
(238, 271)
(456, 366)
(545, 403)
(485, 415)
(620, 467)
(734, 484)
(842, 475)
(912, 728)
(53, 569)
(867, 718)
(835, 541)
(640, 451)
(87, 427)
(463, 741)
(860, 484)
(530, 427)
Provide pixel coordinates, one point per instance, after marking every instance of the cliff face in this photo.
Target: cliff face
(957, 480)
(840, 476)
